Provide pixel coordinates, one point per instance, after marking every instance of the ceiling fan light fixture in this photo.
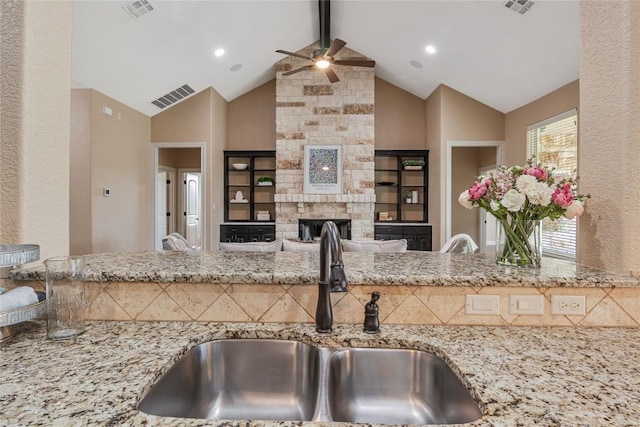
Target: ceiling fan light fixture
(322, 63)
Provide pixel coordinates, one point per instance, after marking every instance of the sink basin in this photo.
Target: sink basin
(396, 386)
(239, 379)
(278, 380)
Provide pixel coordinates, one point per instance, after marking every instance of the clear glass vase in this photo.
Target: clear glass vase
(518, 243)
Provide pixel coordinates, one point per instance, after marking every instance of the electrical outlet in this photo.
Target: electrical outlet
(568, 304)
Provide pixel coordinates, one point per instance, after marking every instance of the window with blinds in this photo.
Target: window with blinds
(554, 142)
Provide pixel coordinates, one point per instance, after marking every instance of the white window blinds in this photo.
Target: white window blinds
(554, 142)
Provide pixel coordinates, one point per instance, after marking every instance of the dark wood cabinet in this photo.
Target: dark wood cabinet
(394, 181)
(418, 236)
(398, 174)
(249, 186)
(247, 233)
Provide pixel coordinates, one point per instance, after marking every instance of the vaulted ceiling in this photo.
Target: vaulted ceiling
(483, 49)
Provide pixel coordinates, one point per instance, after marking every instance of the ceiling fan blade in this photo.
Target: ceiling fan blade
(355, 62)
(331, 75)
(308, 67)
(291, 54)
(335, 47)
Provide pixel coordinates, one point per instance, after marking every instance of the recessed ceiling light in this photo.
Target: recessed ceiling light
(219, 52)
(430, 49)
(415, 64)
(236, 67)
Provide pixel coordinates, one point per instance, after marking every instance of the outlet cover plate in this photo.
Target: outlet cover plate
(572, 305)
(526, 304)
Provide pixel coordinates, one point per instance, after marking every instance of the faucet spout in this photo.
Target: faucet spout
(332, 275)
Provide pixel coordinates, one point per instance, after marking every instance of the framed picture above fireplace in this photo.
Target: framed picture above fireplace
(322, 169)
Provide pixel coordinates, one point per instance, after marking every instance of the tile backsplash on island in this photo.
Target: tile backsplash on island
(411, 305)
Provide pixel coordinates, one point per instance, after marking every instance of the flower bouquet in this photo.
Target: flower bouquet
(519, 198)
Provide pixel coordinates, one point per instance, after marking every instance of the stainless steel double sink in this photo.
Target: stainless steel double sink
(264, 379)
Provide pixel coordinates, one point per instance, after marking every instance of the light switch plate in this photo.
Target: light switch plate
(526, 304)
(482, 304)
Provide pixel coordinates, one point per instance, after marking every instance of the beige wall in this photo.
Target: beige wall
(121, 161)
(461, 119)
(609, 126)
(515, 132)
(200, 118)
(436, 164)
(80, 234)
(252, 119)
(400, 118)
(36, 57)
(179, 157)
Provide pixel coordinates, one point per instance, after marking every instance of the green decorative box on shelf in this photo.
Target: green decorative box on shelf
(413, 164)
(265, 180)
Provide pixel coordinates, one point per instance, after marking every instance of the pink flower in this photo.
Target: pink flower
(463, 199)
(563, 196)
(575, 209)
(477, 191)
(536, 171)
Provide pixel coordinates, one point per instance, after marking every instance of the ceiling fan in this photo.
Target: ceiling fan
(324, 57)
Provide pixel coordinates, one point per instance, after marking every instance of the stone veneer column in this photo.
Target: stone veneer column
(609, 148)
(311, 110)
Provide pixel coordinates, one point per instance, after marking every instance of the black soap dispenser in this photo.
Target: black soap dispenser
(371, 310)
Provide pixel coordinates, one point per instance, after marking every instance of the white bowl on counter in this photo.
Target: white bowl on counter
(240, 166)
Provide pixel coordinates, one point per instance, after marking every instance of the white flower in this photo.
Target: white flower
(513, 200)
(574, 210)
(464, 199)
(494, 205)
(538, 193)
(525, 181)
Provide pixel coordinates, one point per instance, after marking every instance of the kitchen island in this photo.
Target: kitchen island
(422, 288)
(520, 376)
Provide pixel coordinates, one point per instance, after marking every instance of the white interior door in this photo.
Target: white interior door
(192, 208)
(160, 209)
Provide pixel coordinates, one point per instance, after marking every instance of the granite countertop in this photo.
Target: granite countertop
(520, 376)
(410, 268)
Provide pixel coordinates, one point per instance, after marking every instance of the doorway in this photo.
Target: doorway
(179, 192)
(488, 223)
(464, 161)
(189, 200)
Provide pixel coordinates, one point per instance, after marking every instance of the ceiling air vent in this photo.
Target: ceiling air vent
(173, 97)
(137, 8)
(520, 6)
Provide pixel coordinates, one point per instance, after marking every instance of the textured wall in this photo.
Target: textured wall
(11, 67)
(36, 56)
(311, 110)
(609, 126)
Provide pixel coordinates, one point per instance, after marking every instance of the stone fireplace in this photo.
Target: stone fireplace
(311, 110)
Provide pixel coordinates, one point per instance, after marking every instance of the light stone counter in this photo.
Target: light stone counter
(521, 376)
(411, 268)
